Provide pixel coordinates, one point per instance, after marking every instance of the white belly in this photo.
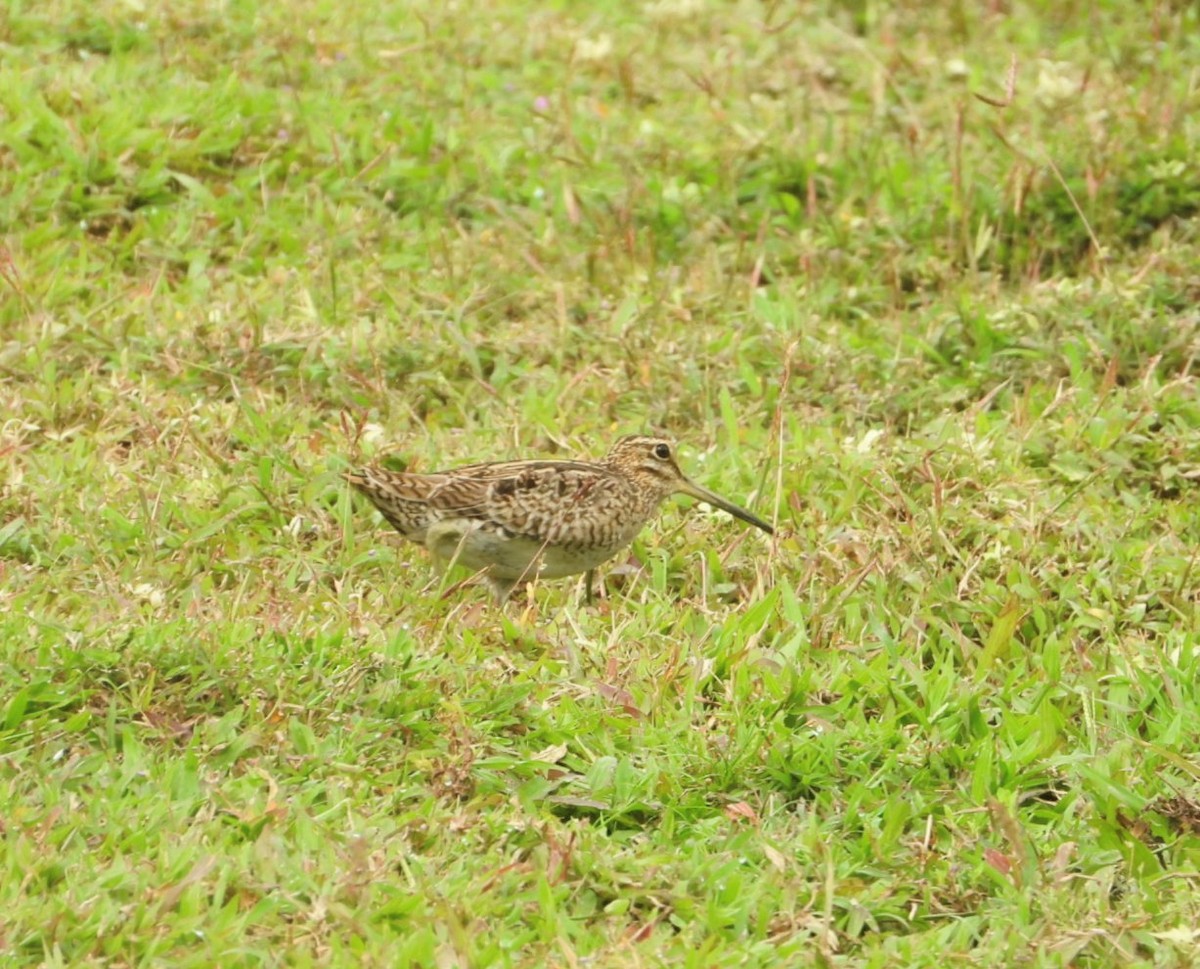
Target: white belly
(463, 541)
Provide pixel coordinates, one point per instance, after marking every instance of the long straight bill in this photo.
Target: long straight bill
(694, 490)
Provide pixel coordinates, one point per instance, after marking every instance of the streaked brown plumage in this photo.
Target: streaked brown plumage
(520, 520)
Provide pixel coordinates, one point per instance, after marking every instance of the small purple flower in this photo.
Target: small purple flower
(541, 104)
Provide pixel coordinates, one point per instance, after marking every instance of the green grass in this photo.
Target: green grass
(948, 716)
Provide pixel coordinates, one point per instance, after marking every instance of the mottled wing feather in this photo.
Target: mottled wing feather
(555, 503)
(403, 499)
(509, 469)
(463, 496)
(561, 503)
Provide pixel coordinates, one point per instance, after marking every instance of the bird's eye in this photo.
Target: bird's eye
(662, 452)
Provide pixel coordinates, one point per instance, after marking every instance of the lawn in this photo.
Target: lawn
(918, 283)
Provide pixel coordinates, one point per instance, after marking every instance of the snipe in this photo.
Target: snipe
(520, 520)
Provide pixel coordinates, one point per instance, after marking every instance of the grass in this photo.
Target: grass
(949, 715)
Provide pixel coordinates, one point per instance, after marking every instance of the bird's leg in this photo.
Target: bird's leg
(588, 598)
(501, 588)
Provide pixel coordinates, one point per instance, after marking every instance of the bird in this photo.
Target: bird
(516, 521)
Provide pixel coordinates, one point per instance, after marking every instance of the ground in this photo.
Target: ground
(916, 282)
